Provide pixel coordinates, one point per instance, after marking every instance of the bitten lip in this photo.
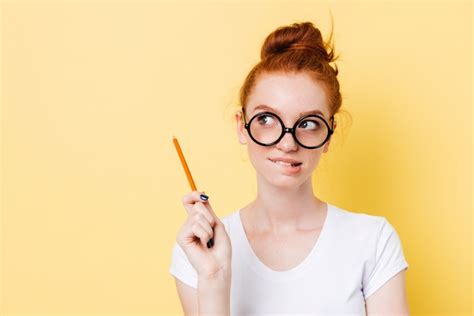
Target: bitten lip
(288, 160)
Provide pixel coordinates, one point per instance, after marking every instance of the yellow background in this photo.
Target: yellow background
(92, 92)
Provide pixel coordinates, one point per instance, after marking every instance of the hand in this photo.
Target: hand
(201, 225)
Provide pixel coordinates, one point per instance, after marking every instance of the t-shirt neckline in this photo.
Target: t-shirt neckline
(273, 275)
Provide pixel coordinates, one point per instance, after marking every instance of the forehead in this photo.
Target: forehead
(289, 94)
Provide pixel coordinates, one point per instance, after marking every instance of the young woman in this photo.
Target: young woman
(288, 252)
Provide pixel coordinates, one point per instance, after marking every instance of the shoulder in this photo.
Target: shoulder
(344, 217)
(352, 223)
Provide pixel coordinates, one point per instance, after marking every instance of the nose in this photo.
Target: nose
(287, 143)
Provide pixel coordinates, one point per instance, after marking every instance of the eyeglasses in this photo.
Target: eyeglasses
(310, 131)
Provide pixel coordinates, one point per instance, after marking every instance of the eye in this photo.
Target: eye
(265, 119)
(309, 125)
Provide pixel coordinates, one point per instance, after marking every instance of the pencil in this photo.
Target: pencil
(210, 243)
(185, 165)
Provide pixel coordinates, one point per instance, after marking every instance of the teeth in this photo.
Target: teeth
(283, 163)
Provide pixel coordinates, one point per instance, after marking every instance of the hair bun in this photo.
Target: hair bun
(297, 36)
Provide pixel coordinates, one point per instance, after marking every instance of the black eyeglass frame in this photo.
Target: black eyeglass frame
(291, 130)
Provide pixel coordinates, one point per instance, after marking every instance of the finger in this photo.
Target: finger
(209, 209)
(199, 218)
(201, 233)
(203, 210)
(204, 224)
(191, 198)
(207, 227)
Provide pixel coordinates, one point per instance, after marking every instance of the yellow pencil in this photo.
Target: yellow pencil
(185, 165)
(210, 243)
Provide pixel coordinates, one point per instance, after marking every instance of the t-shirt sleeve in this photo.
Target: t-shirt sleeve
(386, 260)
(181, 268)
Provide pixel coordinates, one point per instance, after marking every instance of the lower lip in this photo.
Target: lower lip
(288, 168)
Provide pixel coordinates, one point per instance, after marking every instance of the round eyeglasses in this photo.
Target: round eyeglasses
(310, 131)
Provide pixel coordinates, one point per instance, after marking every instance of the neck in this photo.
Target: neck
(281, 210)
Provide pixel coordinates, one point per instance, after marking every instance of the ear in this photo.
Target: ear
(240, 128)
(326, 146)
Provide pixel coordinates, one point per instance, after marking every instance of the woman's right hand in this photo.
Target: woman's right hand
(201, 225)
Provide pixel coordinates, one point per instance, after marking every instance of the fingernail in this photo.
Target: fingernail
(204, 197)
(210, 243)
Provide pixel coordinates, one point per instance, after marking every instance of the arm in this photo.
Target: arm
(188, 297)
(206, 267)
(214, 294)
(212, 297)
(390, 299)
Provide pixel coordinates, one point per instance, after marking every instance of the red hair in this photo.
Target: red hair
(297, 48)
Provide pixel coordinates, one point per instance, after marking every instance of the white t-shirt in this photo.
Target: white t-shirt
(355, 255)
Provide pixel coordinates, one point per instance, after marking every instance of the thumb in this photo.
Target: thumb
(211, 210)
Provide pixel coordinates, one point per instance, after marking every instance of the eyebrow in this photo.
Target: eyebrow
(267, 107)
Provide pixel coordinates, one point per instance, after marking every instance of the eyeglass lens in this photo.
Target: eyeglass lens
(266, 128)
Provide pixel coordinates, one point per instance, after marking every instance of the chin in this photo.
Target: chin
(284, 181)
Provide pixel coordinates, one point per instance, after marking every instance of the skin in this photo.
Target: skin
(284, 212)
(285, 208)
(285, 203)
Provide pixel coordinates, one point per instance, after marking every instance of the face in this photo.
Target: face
(288, 96)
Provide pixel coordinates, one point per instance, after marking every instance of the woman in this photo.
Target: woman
(287, 251)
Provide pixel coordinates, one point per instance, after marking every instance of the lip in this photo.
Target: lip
(289, 170)
(288, 160)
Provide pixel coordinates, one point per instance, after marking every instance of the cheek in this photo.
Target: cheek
(257, 154)
(313, 159)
